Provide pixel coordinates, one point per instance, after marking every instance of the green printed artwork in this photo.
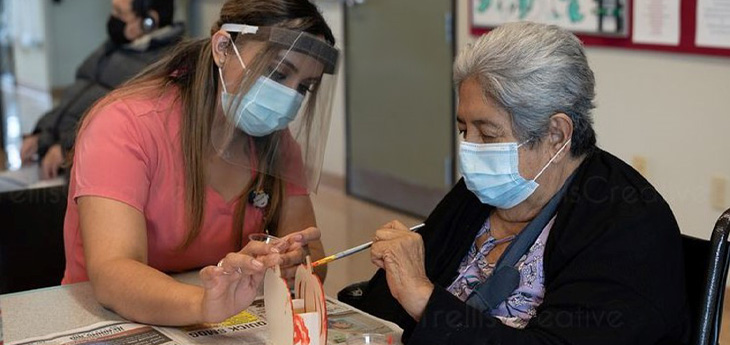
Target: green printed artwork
(484, 5)
(525, 8)
(574, 11)
(579, 15)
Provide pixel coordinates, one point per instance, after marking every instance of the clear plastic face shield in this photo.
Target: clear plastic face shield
(277, 89)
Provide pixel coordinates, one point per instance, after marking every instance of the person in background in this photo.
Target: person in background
(547, 239)
(140, 32)
(219, 140)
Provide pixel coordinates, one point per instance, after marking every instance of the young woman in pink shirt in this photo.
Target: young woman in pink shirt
(221, 139)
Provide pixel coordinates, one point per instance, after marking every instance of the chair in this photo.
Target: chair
(31, 238)
(706, 270)
(353, 294)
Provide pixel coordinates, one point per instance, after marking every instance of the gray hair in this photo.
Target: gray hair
(534, 71)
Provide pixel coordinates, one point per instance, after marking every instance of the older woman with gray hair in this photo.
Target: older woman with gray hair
(547, 239)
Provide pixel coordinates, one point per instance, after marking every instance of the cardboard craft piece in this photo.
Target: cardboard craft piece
(279, 312)
(301, 321)
(308, 286)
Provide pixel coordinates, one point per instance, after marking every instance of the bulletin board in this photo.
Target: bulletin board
(589, 30)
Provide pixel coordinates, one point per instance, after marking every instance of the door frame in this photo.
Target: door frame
(348, 147)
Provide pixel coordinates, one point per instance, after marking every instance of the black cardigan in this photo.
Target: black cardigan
(614, 271)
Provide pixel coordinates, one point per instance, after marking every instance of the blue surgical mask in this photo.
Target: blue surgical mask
(267, 107)
(491, 173)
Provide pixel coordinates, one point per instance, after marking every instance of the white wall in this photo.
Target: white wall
(672, 109)
(71, 41)
(52, 39)
(202, 14)
(334, 158)
(30, 44)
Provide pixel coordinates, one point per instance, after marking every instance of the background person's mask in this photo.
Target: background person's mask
(115, 29)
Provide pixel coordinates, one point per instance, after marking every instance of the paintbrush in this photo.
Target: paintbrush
(352, 250)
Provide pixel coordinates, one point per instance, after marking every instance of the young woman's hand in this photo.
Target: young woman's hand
(231, 286)
(296, 250)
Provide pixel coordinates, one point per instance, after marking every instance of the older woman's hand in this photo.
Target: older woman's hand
(400, 253)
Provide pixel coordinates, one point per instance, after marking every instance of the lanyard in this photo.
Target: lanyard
(506, 278)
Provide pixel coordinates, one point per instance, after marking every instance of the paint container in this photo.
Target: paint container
(368, 339)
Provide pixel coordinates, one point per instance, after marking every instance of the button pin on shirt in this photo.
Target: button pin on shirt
(258, 198)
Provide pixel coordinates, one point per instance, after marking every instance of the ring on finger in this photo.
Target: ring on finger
(220, 264)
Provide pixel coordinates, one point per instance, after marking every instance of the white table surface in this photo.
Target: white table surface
(56, 309)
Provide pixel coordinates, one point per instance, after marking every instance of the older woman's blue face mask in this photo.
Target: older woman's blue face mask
(492, 160)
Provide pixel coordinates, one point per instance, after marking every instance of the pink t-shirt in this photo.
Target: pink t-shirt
(130, 151)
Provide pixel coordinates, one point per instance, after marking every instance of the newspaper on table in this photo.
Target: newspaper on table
(112, 333)
(248, 327)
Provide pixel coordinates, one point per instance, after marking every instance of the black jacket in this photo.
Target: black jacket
(614, 271)
(105, 69)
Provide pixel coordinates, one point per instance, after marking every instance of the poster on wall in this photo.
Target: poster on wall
(606, 17)
(713, 23)
(656, 22)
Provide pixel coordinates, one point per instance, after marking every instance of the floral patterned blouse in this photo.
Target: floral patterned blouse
(520, 306)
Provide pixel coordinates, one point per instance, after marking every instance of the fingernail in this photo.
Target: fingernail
(257, 263)
(281, 246)
(275, 250)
